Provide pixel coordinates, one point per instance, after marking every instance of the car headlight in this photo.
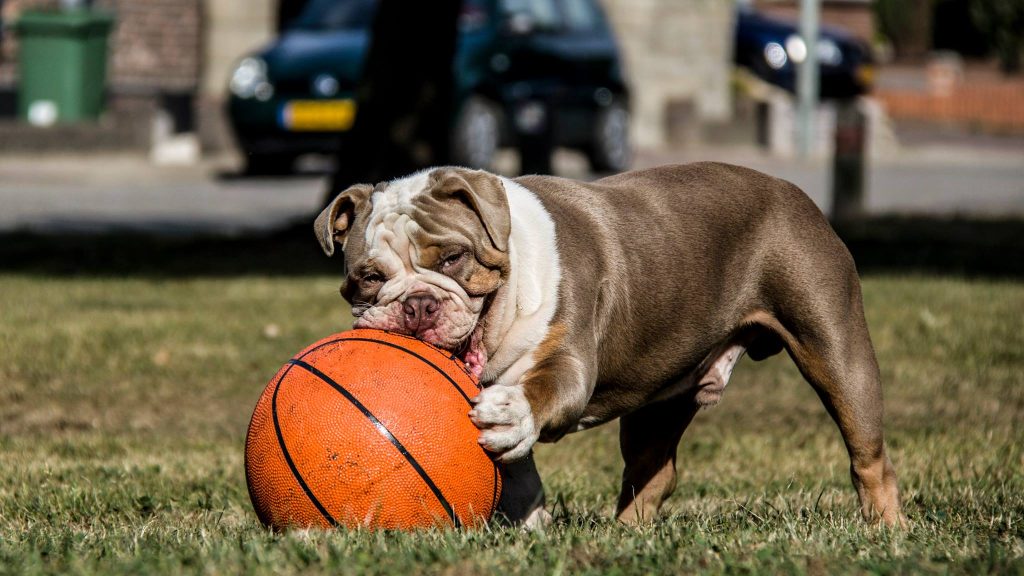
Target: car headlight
(829, 52)
(250, 80)
(796, 48)
(775, 55)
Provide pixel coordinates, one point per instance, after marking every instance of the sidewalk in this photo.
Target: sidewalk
(102, 193)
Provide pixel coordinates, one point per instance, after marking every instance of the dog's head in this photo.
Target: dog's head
(422, 254)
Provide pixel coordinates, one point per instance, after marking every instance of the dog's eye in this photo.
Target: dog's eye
(373, 278)
(452, 260)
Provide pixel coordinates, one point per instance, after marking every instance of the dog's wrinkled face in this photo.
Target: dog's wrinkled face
(423, 254)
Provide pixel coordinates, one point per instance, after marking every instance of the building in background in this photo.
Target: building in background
(154, 66)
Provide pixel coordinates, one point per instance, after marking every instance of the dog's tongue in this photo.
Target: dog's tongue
(475, 356)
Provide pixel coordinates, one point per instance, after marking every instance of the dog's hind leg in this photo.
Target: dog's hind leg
(829, 342)
(648, 439)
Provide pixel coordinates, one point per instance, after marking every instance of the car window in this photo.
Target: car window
(544, 12)
(581, 15)
(336, 15)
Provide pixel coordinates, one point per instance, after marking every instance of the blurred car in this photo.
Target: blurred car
(771, 48)
(296, 95)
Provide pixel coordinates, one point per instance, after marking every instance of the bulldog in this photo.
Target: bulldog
(631, 297)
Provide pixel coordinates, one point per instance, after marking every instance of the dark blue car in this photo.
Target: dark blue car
(772, 47)
(296, 95)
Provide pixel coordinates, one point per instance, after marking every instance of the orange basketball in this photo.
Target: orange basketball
(369, 429)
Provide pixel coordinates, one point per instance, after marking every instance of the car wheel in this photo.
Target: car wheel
(610, 149)
(269, 164)
(477, 133)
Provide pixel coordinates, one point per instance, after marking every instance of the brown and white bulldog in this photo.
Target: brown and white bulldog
(631, 297)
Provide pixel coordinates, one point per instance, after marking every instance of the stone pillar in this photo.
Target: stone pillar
(674, 51)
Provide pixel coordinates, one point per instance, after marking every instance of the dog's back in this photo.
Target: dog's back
(711, 234)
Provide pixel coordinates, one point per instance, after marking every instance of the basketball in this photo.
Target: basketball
(370, 429)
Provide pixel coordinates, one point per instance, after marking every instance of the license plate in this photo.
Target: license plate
(318, 115)
(866, 75)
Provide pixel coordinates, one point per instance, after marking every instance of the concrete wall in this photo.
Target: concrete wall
(232, 28)
(677, 52)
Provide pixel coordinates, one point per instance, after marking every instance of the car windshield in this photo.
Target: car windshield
(336, 15)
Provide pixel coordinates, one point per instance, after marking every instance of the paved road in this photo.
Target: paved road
(96, 193)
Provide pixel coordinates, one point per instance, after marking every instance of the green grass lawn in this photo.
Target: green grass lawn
(124, 404)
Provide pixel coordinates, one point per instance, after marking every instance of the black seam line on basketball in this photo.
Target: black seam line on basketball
(386, 434)
(288, 458)
(446, 353)
(494, 494)
(397, 347)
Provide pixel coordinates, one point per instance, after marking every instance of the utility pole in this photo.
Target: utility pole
(807, 80)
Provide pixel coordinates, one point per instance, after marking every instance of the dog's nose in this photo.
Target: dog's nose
(420, 312)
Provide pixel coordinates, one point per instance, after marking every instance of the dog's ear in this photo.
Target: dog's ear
(334, 223)
(484, 193)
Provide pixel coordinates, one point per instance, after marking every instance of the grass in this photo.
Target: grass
(124, 403)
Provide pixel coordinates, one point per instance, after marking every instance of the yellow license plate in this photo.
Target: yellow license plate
(318, 115)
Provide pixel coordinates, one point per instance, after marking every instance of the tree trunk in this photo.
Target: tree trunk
(405, 100)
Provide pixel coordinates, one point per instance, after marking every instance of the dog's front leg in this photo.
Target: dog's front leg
(522, 495)
(545, 404)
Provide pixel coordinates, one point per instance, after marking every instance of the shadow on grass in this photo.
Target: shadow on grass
(288, 252)
(987, 248)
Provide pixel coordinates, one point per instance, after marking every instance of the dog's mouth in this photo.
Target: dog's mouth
(472, 352)
(469, 349)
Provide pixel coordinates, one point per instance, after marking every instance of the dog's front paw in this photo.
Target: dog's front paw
(505, 420)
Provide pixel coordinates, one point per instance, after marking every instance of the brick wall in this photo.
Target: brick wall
(993, 107)
(855, 16)
(156, 44)
(9, 47)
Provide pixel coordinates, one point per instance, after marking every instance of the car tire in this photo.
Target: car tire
(477, 133)
(269, 164)
(610, 149)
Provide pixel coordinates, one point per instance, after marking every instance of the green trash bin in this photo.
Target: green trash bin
(62, 64)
